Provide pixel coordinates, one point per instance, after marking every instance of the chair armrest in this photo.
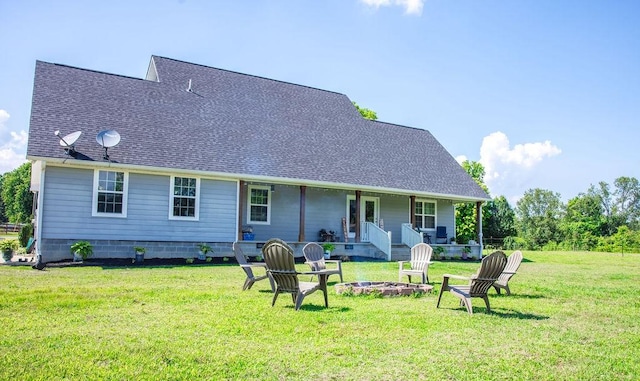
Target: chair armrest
(456, 277)
(250, 265)
(509, 272)
(257, 264)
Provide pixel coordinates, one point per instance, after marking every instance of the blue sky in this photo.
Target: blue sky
(544, 93)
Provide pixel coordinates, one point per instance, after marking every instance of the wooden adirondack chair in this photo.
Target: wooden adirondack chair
(314, 257)
(248, 269)
(513, 263)
(281, 266)
(478, 285)
(420, 261)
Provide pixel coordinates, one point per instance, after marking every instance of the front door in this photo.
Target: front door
(369, 212)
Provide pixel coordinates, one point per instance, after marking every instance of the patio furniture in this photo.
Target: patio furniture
(513, 262)
(478, 284)
(314, 257)
(248, 269)
(281, 266)
(419, 263)
(441, 234)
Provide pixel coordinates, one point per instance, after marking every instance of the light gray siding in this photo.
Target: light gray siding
(324, 210)
(67, 210)
(285, 215)
(446, 217)
(395, 211)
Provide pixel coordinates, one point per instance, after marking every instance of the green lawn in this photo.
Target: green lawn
(572, 316)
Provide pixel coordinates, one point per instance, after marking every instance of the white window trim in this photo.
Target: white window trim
(263, 187)
(172, 196)
(125, 192)
(435, 215)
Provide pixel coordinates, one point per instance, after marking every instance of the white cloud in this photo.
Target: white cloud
(4, 116)
(411, 7)
(461, 159)
(13, 146)
(508, 169)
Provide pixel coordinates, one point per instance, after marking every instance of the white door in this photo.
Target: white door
(369, 212)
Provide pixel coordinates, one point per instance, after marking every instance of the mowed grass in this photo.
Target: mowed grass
(571, 316)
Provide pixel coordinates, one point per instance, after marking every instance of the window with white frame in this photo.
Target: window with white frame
(259, 200)
(425, 214)
(110, 193)
(184, 198)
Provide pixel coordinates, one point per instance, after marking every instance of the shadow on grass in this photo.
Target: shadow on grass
(315, 307)
(511, 314)
(507, 314)
(519, 296)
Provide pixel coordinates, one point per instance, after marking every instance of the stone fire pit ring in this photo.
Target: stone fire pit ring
(384, 288)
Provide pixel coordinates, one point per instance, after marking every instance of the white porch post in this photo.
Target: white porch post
(479, 224)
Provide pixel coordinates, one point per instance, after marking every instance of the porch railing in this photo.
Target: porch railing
(410, 237)
(377, 237)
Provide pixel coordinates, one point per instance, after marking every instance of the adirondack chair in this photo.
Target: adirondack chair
(478, 285)
(314, 257)
(248, 269)
(281, 266)
(513, 263)
(420, 261)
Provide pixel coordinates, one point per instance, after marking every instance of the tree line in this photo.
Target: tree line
(16, 199)
(603, 218)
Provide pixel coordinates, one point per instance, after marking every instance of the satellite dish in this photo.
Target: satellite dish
(68, 141)
(107, 139)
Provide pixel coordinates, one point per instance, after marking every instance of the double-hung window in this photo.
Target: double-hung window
(185, 193)
(110, 193)
(425, 214)
(259, 200)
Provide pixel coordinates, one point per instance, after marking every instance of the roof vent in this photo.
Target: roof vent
(189, 87)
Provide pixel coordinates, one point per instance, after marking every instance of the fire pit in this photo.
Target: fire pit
(384, 288)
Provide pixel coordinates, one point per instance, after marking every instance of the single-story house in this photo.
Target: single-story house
(192, 153)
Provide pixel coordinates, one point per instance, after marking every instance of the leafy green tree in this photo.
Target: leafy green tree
(3, 217)
(583, 220)
(499, 219)
(466, 212)
(16, 194)
(539, 213)
(366, 113)
(627, 201)
(620, 206)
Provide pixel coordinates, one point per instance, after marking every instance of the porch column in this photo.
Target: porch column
(303, 197)
(479, 224)
(358, 194)
(242, 196)
(412, 215)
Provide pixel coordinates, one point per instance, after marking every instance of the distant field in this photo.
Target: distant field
(572, 316)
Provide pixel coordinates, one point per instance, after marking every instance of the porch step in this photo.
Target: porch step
(400, 252)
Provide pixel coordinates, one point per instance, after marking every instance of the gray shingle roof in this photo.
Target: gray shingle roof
(237, 124)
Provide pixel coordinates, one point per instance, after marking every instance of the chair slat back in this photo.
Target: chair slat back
(420, 256)
(237, 251)
(314, 255)
(278, 256)
(490, 269)
(513, 263)
(242, 260)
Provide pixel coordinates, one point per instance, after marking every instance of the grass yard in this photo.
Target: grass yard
(571, 316)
